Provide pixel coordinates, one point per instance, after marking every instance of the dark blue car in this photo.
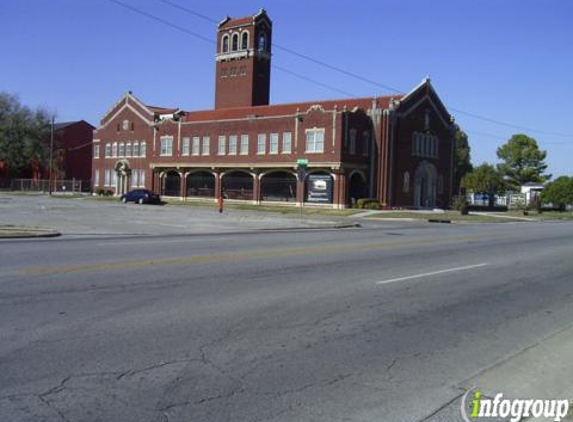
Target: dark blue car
(141, 196)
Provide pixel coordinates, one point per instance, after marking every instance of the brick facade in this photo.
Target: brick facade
(361, 147)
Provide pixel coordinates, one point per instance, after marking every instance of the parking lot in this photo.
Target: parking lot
(93, 217)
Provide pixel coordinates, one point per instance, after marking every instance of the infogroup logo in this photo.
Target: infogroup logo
(475, 406)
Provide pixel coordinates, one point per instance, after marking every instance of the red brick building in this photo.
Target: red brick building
(398, 149)
(73, 150)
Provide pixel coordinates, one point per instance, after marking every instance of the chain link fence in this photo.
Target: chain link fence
(72, 186)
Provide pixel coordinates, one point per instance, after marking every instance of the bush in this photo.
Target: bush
(108, 193)
(368, 203)
(100, 192)
(460, 203)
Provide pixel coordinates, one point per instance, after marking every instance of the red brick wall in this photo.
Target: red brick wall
(405, 161)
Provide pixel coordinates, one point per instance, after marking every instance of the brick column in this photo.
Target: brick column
(218, 184)
(183, 185)
(256, 188)
(155, 181)
(339, 196)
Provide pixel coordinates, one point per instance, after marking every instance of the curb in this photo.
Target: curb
(22, 233)
(316, 227)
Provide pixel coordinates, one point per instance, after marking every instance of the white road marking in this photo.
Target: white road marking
(449, 270)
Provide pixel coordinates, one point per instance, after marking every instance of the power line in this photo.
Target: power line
(290, 51)
(211, 41)
(499, 122)
(163, 21)
(367, 80)
(502, 137)
(318, 62)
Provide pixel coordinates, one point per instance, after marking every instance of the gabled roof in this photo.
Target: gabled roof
(287, 109)
(233, 22)
(63, 125)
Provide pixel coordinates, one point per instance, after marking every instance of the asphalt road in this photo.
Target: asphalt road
(375, 324)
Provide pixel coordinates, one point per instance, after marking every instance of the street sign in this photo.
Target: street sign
(301, 165)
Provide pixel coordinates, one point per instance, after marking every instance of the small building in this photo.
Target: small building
(531, 191)
(398, 149)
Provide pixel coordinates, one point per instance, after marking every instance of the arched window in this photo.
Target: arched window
(262, 42)
(235, 44)
(245, 40)
(225, 43)
(406, 182)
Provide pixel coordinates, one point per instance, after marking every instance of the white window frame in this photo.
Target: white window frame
(96, 151)
(114, 149)
(232, 144)
(206, 145)
(142, 174)
(196, 146)
(142, 149)
(261, 144)
(274, 143)
(244, 150)
(166, 146)
(107, 177)
(107, 150)
(96, 177)
(222, 145)
(121, 150)
(185, 146)
(135, 151)
(314, 132)
(287, 143)
(128, 151)
(243, 47)
(134, 178)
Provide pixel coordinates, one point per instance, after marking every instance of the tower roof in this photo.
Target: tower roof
(229, 22)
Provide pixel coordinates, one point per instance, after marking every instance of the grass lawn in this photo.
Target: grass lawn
(453, 216)
(285, 210)
(546, 215)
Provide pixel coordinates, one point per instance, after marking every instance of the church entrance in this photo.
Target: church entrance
(425, 182)
(123, 176)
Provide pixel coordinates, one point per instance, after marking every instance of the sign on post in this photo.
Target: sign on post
(301, 165)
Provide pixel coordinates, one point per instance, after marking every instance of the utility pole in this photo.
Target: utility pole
(51, 156)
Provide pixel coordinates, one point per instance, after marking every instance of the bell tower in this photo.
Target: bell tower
(243, 61)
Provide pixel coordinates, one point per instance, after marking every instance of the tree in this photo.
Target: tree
(486, 179)
(559, 192)
(462, 165)
(23, 135)
(523, 161)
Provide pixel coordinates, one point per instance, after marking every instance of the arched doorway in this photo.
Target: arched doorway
(319, 188)
(123, 175)
(278, 186)
(171, 185)
(201, 184)
(358, 187)
(237, 185)
(425, 181)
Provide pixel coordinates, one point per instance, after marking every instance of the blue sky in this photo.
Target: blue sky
(508, 60)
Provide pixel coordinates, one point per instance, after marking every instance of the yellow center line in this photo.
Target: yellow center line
(255, 254)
